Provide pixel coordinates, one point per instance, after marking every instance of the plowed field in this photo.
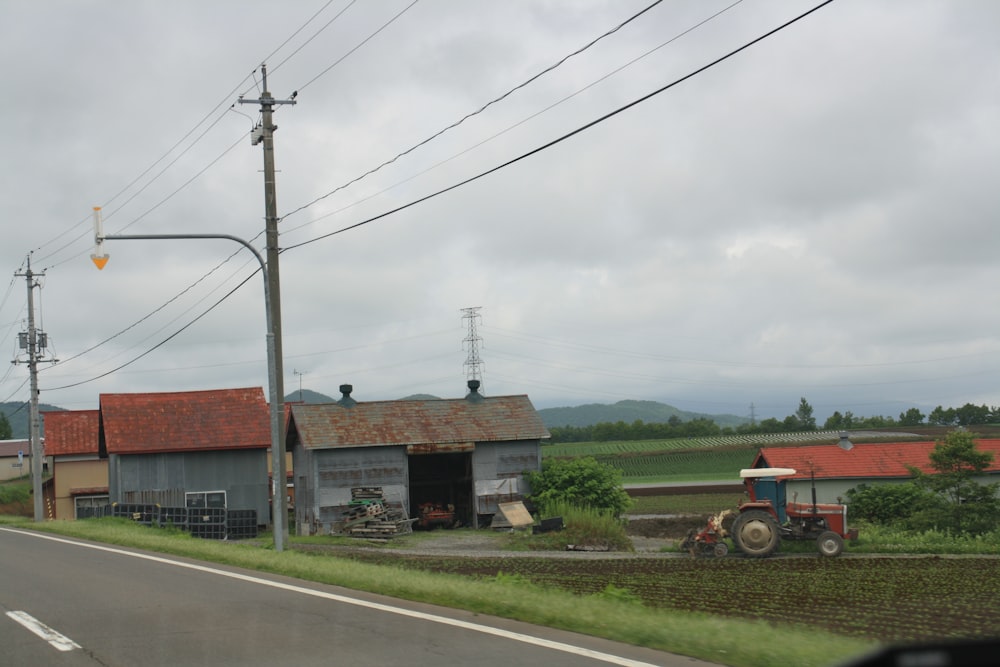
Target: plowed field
(888, 599)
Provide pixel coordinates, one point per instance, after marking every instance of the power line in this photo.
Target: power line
(225, 99)
(165, 340)
(358, 46)
(564, 137)
(314, 36)
(484, 173)
(480, 110)
(434, 166)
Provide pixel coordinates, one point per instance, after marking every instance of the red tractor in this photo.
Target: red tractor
(767, 517)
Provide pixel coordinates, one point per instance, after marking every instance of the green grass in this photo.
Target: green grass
(13, 491)
(693, 503)
(682, 466)
(738, 642)
(749, 442)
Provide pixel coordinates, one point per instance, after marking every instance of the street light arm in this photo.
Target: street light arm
(277, 407)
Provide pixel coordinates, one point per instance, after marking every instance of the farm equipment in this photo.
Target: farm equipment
(433, 515)
(709, 541)
(767, 518)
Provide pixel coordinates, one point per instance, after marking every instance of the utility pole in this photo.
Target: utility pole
(265, 134)
(34, 342)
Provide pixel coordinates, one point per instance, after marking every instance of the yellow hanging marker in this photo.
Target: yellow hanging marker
(100, 258)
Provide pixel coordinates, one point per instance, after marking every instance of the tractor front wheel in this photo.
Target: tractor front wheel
(755, 533)
(830, 543)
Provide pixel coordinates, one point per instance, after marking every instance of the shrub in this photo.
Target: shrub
(584, 527)
(889, 503)
(580, 482)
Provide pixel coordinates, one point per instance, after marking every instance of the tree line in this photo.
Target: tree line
(801, 420)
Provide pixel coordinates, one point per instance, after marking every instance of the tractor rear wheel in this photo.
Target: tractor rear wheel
(755, 533)
(830, 543)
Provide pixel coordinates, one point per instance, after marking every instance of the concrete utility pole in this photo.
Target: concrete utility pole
(265, 134)
(35, 343)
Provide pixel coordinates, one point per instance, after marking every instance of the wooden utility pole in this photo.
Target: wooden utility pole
(264, 134)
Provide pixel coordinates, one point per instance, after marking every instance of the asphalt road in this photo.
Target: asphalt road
(67, 602)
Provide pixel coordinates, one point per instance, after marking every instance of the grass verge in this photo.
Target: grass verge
(741, 643)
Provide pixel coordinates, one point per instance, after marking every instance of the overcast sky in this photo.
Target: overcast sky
(814, 217)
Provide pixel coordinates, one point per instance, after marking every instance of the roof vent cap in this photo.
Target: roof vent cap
(346, 399)
(474, 396)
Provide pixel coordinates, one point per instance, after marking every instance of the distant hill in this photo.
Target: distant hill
(309, 397)
(650, 412)
(19, 414)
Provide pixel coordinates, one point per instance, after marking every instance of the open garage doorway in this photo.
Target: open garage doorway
(441, 490)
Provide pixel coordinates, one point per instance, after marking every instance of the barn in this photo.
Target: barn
(195, 449)
(469, 453)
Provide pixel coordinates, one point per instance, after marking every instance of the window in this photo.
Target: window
(87, 507)
(199, 499)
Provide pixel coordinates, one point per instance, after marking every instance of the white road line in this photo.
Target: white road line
(58, 640)
(433, 618)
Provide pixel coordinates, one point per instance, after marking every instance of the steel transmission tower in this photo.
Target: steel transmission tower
(473, 363)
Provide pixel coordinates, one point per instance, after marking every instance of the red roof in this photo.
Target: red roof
(185, 421)
(69, 432)
(879, 459)
(418, 422)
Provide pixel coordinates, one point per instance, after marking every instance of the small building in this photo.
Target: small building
(469, 453)
(190, 449)
(15, 459)
(79, 484)
(837, 470)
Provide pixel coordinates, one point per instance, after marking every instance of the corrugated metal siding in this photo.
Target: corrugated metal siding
(337, 471)
(165, 478)
(498, 472)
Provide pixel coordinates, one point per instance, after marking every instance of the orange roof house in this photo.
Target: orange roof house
(865, 461)
(188, 449)
(836, 470)
(79, 483)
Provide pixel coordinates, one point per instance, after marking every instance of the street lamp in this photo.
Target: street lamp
(278, 503)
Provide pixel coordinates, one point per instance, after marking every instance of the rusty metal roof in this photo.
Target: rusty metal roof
(185, 421)
(417, 422)
(71, 432)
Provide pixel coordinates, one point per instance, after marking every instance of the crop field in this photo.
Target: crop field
(681, 466)
(615, 447)
(885, 599)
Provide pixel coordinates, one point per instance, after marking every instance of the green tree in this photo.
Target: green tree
(582, 482)
(970, 414)
(971, 507)
(804, 416)
(941, 417)
(6, 432)
(912, 417)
